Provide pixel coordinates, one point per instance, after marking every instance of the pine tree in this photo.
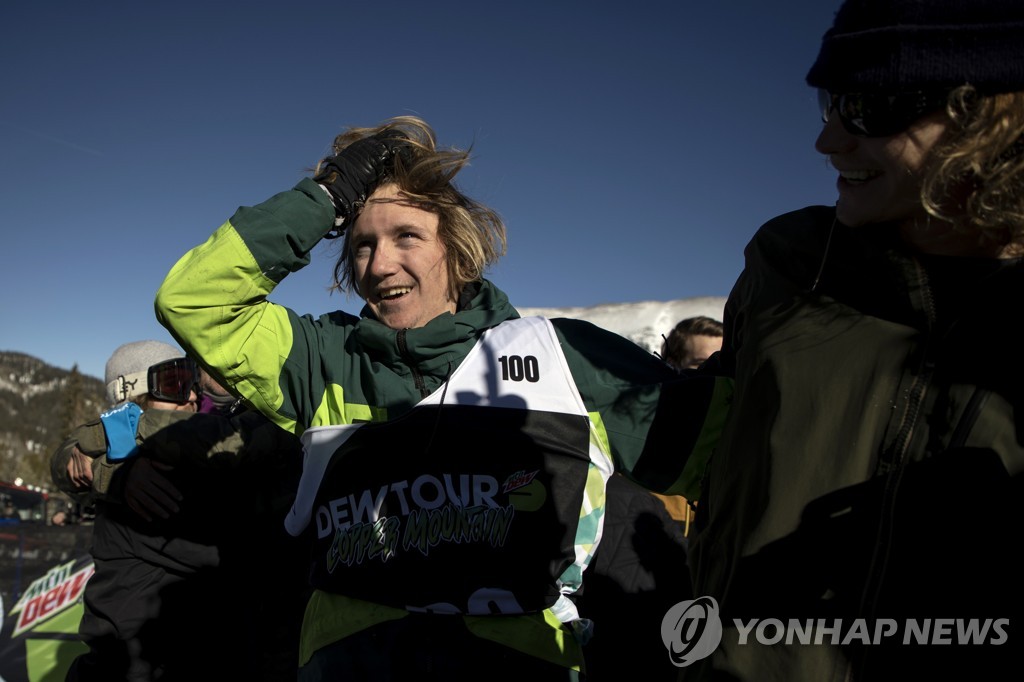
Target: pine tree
(73, 403)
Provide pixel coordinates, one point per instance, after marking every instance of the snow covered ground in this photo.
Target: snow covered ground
(643, 322)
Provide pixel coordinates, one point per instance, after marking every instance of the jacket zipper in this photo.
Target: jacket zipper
(417, 377)
(893, 462)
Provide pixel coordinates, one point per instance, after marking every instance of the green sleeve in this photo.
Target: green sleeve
(90, 439)
(214, 301)
(200, 440)
(661, 426)
(175, 437)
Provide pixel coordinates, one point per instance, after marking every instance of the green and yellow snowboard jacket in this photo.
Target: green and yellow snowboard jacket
(656, 426)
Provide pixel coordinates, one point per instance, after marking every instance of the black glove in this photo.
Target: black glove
(351, 176)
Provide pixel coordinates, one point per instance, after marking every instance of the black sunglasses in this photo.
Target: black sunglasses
(174, 380)
(871, 114)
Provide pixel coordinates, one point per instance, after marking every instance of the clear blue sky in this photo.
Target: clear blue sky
(633, 148)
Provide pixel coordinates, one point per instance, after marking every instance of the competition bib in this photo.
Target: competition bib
(487, 497)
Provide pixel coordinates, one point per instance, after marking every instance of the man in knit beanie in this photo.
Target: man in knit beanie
(857, 518)
(128, 366)
(182, 496)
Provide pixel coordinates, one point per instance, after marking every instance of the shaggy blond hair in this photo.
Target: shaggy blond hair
(473, 235)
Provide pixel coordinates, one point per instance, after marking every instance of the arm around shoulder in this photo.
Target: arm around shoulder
(74, 464)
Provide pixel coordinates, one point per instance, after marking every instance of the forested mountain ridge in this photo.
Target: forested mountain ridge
(39, 405)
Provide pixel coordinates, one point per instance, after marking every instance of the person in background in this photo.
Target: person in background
(76, 467)
(214, 398)
(182, 501)
(870, 473)
(456, 455)
(692, 341)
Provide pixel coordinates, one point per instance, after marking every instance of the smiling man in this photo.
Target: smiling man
(400, 261)
(456, 455)
(876, 349)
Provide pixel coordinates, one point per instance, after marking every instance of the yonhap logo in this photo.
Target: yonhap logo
(691, 630)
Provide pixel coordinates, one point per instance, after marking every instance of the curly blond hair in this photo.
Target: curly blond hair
(976, 180)
(473, 235)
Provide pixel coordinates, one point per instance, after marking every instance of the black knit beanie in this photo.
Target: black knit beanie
(892, 45)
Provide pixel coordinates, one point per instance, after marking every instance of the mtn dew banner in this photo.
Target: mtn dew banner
(41, 588)
(39, 636)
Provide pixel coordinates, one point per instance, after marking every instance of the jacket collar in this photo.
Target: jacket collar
(444, 339)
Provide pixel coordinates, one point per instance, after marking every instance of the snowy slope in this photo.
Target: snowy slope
(643, 322)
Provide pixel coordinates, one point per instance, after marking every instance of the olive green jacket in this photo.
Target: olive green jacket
(190, 442)
(855, 363)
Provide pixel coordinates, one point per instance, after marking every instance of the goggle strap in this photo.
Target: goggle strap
(125, 387)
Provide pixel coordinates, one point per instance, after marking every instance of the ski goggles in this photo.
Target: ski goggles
(872, 114)
(174, 380)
